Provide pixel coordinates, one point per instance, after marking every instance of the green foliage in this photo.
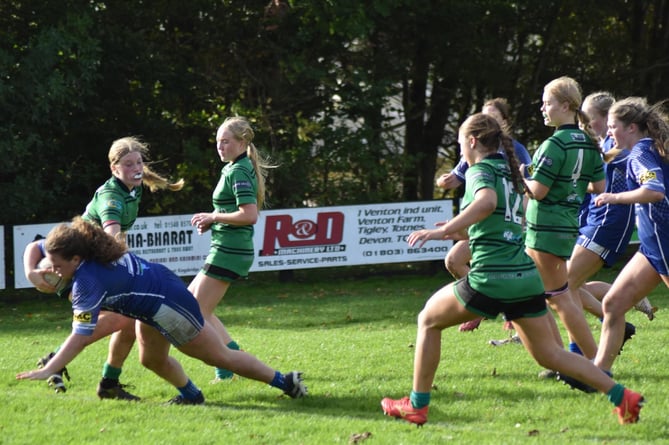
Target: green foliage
(356, 101)
(352, 333)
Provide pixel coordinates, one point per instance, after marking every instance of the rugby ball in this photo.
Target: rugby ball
(51, 277)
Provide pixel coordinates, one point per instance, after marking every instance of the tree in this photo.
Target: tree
(357, 101)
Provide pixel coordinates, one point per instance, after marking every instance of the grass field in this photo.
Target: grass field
(352, 335)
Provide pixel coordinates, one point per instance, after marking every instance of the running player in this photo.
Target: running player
(635, 125)
(502, 278)
(565, 166)
(457, 259)
(239, 195)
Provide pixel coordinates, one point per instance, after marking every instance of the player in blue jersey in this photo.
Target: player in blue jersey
(606, 230)
(502, 279)
(105, 276)
(115, 207)
(635, 125)
(457, 259)
(238, 196)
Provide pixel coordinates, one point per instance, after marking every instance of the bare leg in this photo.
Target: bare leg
(638, 278)
(532, 332)
(442, 310)
(582, 265)
(120, 345)
(457, 259)
(209, 348)
(154, 355)
(554, 274)
(209, 292)
(590, 302)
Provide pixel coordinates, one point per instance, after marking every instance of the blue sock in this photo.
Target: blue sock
(190, 391)
(615, 394)
(222, 373)
(278, 381)
(573, 347)
(419, 399)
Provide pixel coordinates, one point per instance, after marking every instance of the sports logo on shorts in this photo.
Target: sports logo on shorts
(647, 176)
(82, 317)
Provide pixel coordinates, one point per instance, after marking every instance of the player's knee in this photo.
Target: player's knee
(615, 305)
(151, 362)
(455, 268)
(427, 320)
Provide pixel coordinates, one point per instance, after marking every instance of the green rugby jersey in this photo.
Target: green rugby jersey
(237, 186)
(565, 162)
(500, 268)
(113, 202)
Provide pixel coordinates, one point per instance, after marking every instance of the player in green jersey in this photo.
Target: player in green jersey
(239, 195)
(115, 207)
(566, 166)
(502, 278)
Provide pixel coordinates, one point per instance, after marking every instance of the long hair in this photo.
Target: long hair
(242, 131)
(132, 144)
(491, 135)
(650, 119)
(85, 239)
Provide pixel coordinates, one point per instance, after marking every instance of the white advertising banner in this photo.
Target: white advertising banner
(347, 235)
(284, 239)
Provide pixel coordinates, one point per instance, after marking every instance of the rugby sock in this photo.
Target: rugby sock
(615, 394)
(110, 372)
(222, 373)
(279, 381)
(419, 399)
(190, 391)
(573, 347)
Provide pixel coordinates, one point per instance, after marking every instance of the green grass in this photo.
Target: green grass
(352, 335)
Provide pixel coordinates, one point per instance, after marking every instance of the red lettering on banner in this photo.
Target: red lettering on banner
(279, 229)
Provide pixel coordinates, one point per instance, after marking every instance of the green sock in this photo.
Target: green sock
(222, 373)
(615, 394)
(419, 399)
(109, 372)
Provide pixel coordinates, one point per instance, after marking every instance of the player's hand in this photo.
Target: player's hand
(36, 277)
(448, 181)
(202, 221)
(421, 236)
(604, 198)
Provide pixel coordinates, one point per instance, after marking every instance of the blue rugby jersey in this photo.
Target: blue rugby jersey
(130, 286)
(618, 218)
(645, 168)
